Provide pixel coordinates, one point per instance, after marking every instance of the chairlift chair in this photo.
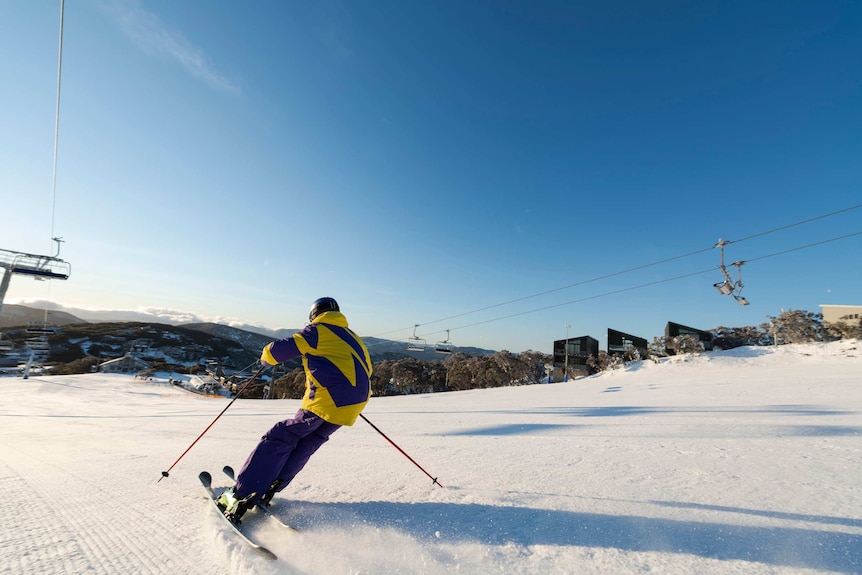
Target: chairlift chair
(444, 346)
(724, 288)
(415, 343)
(738, 291)
(37, 266)
(41, 328)
(5, 345)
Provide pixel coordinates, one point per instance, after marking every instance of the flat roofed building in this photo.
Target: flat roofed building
(620, 342)
(673, 329)
(838, 313)
(575, 352)
(126, 364)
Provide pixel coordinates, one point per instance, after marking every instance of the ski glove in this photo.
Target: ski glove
(266, 356)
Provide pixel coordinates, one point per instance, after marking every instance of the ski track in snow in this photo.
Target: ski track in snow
(61, 534)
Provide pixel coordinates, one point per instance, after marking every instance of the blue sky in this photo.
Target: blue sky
(421, 161)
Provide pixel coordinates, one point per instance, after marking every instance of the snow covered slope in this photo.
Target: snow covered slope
(745, 461)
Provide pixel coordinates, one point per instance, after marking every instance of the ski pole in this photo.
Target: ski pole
(434, 479)
(251, 379)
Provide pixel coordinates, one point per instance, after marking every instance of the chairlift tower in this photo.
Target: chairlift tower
(38, 266)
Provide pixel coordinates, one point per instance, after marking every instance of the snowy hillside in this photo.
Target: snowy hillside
(745, 461)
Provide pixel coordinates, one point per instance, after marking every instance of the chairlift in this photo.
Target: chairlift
(40, 267)
(38, 348)
(41, 328)
(444, 346)
(415, 343)
(5, 345)
(737, 295)
(728, 286)
(37, 343)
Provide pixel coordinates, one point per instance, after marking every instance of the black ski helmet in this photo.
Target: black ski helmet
(322, 305)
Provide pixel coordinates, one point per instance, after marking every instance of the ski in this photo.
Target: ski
(206, 481)
(228, 471)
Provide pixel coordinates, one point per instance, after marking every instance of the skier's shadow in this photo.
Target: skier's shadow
(495, 525)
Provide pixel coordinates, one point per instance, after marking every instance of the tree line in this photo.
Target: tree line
(461, 371)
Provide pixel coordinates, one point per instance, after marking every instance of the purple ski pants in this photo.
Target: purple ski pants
(282, 453)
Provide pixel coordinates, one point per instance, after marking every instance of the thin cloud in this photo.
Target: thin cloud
(155, 37)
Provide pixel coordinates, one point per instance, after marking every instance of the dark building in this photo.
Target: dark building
(675, 329)
(575, 351)
(619, 343)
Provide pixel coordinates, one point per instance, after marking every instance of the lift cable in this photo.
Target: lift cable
(666, 280)
(57, 121)
(796, 249)
(622, 290)
(56, 148)
(632, 288)
(796, 224)
(636, 268)
(526, 297)
(38, 266)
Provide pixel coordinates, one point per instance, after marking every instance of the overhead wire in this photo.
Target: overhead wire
(811, 245)
(546, 292)
(629, 270)
(57, 122)
(808, 221)
(584, 282)
(56, 145)
(666, 280)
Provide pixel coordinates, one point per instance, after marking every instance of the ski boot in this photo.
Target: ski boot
(265, 501)
(234, 508)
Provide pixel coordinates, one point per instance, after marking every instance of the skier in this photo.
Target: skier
(337, 388)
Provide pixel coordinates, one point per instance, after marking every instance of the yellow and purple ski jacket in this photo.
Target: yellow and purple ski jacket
(337, 367)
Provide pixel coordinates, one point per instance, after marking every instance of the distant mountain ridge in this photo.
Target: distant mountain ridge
(251, 338)
(377, 348)
(17, 315)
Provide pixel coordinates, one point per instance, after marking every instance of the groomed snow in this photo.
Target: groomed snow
(747, 461)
